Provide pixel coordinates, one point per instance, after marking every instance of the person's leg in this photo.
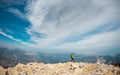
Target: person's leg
(72, 59)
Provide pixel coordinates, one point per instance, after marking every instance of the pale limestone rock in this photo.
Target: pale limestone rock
(69, 68)
(2, 71)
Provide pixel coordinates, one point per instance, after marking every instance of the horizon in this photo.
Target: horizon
(80, 26)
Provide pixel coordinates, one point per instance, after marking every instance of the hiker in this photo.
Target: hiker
(72, 57)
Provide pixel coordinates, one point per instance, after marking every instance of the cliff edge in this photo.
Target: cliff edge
(69, 68)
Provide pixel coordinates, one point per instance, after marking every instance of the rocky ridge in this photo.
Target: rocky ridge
(69, 68)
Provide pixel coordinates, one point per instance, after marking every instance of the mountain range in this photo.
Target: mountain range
(10, 58)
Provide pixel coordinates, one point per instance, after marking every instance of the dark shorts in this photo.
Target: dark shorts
(72, 58)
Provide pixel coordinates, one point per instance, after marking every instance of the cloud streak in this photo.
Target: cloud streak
(17, 12)
(12, 38)
(58, 21)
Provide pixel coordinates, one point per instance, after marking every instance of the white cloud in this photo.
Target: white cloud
(17, 12)
(12, 38)
(61, 20)
(97, 41)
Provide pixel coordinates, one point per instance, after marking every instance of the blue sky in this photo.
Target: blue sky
(61, 25)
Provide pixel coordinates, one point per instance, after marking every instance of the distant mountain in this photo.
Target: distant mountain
(13, 57)
(9, 58)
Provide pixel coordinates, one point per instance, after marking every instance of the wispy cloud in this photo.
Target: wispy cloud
(12, 38)
(101, 41)
(7, 3)
(17, 12)
(58, 21)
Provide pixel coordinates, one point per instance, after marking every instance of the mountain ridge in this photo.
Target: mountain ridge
(10, 58)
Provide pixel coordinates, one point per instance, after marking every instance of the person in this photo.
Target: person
(72, 57)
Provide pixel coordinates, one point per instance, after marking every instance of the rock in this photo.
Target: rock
(69, 68)
(12, 71)
(2, 71)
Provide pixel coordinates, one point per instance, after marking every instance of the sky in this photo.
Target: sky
(87, 26)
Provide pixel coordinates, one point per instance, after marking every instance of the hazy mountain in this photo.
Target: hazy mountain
(13, 57)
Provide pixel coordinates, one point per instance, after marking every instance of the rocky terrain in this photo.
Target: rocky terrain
(69, 68)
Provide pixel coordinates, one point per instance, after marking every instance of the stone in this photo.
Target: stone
(69, 68)
(2, 71)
